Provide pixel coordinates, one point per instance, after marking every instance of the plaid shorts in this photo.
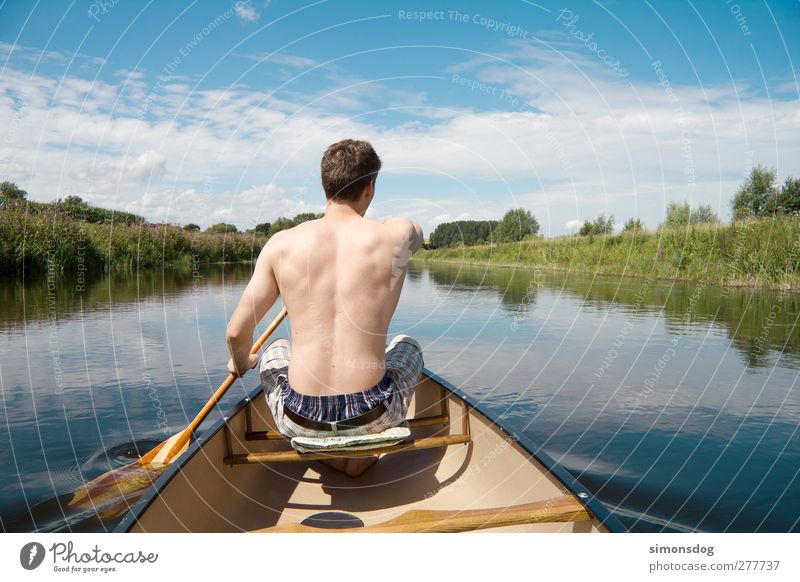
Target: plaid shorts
(403, 368)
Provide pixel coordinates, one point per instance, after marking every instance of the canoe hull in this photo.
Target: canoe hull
(201, 493)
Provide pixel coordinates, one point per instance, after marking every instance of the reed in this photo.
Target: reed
(762, 252)
(46, 238)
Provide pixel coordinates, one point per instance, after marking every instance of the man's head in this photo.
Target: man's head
(349, 169)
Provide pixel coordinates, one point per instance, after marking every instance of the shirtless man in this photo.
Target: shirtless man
(340, 279)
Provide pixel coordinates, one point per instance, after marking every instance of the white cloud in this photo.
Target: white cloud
(573, 225)
(587, 142)
(246, 12)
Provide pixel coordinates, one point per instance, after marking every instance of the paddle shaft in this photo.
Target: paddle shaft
(187, 432)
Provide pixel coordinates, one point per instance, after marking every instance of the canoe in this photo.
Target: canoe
(460, 471)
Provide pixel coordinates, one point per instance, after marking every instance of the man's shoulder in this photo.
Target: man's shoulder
(397, 226)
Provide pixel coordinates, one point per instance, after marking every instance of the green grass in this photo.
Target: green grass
(762, 252)
(46, 238)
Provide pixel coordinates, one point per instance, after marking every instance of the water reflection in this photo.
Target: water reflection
(674, 402)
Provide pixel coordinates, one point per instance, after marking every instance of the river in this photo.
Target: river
(675, 403)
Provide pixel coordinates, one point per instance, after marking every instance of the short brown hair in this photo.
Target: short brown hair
(347, 167)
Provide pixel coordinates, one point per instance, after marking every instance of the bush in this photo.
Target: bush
(755, 196)
(633, 225)
(517, 224)
(467, 232)
(222, 228)
(601, 225)
(9, 192)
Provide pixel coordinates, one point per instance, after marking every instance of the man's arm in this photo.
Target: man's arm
(258, 297)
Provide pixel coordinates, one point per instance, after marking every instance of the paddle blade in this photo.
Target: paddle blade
(112, 493)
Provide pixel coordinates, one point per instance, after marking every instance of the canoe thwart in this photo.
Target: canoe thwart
(262, 435)
(562, 509)
(294, 456)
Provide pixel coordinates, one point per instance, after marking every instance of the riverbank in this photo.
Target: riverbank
(757, 253)
(50, 239)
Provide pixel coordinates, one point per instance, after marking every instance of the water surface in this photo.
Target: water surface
(676, 403)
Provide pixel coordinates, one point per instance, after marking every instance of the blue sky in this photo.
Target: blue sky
(220, 111)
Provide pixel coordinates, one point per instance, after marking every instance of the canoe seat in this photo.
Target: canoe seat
(290, 456)
(411, 444)
(562, 509)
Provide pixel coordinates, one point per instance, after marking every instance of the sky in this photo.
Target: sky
(220, 111)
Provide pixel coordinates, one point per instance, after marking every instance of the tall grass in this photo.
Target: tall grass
(47, 238)
(763, 252)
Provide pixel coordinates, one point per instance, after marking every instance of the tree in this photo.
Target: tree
(516, 224)
(466, 232)
(222, 227)
(10, 191)
(75, 201)
(192, 227)
(305, 217)
(281, 223)
(678, 215)
(633, 225)
(263, 227)
(704, 214)
(788, 200)
(755, 196)
(600, 225)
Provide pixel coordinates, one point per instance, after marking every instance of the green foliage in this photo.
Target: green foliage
(46, 238)
(678, 215)
(704, 214)
(633, 225)
(756, 196)
(761, 252)
(600, 225)
(517, 224)
(283, 223)
(787, 201)
(222, 228)
(466, 232)
(75, 201)
(77, 208)
(192, 227)
(263, 228)
(9, 191)
(305, 217)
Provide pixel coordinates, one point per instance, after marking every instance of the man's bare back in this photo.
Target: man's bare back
(340, 278)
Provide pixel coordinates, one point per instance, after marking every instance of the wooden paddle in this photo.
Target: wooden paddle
(121, 487)
(556, 510)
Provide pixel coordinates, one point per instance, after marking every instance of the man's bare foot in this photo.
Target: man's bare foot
(358, 465)
(338, 464)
